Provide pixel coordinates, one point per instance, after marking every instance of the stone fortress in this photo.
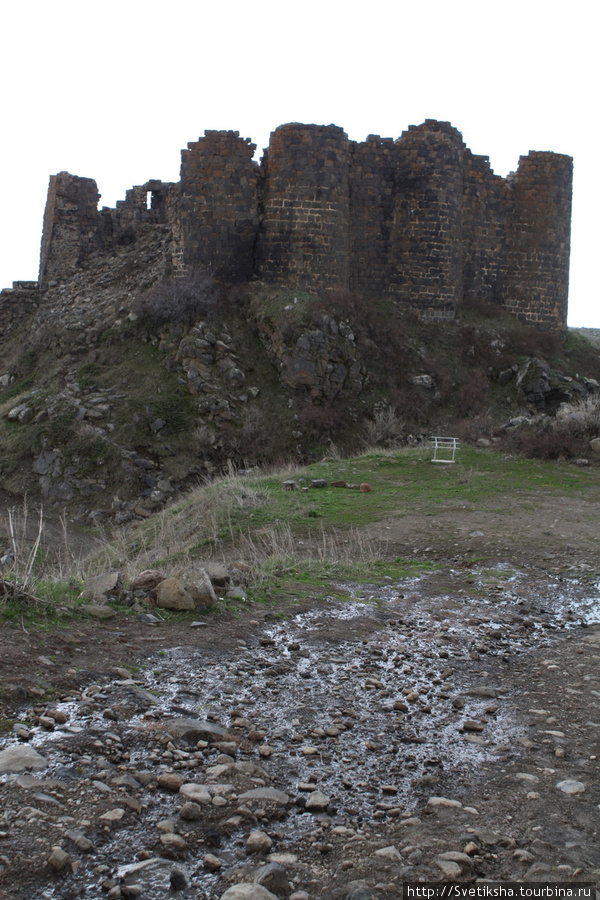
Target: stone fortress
(420, 219)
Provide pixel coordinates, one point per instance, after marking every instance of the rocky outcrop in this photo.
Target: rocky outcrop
(321, 362)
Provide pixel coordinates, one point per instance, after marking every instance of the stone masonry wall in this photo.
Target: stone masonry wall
(426, 247)
(486, 212)
(372, 186)
(218, 206)
(539, 245)
(304, 239)
(420, 219)
(72, 225)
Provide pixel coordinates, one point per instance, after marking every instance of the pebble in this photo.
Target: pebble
(112, 816)
(444, 801)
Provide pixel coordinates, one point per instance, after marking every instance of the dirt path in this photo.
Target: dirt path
(477, 685)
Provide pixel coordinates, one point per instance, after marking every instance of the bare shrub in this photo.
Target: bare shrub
(321, 421)
(582, 417)
(256, 438)
(473, 394)
(551, 443)
(180, 301)
(471, 429)
(386, 429)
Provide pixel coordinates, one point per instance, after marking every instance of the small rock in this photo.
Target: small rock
(197, 793)
(273, 877)
(79, 839)
(450, 870)
(173, 841)
(168, 781)
(523, 856)
(258, 842)
(317, 802)
(471, 725)
(444, 801)
(191, 811)
(212, 863)
(58, 859)
(98, 612)
(248, 892)
(571, 787)
(112, 816)
(389, 853)
(177, 880)
(269, 795)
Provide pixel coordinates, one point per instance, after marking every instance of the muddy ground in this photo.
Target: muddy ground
(445, 727)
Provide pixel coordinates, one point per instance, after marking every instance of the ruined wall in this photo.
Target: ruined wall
(72, 225)
(420, 219)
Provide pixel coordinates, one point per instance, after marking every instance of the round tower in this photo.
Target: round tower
(304, 237)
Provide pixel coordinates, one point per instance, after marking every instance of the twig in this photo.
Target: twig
(8, 587)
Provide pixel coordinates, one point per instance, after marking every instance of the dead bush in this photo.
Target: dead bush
(322, 421)
(386, 429)
(557, 442)
(180, 301)
(473, 394)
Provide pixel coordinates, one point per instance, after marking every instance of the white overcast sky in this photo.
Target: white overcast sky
(113, 90)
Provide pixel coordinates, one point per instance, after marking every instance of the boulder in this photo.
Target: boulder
(172, 593)
(202, 590)
(218, 574)
(146, 581)
(109, 584)
(181, 593)
(20, 758)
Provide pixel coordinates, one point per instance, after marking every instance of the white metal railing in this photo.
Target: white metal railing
(444, 449)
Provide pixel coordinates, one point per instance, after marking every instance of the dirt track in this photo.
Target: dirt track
(499, 636)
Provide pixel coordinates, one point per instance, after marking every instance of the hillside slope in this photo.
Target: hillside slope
(116, 392)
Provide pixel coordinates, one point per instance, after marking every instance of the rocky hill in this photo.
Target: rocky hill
(117, 390)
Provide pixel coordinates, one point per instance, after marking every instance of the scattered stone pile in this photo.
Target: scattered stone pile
(152, 588)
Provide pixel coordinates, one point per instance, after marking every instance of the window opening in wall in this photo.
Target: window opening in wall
(149, 199)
